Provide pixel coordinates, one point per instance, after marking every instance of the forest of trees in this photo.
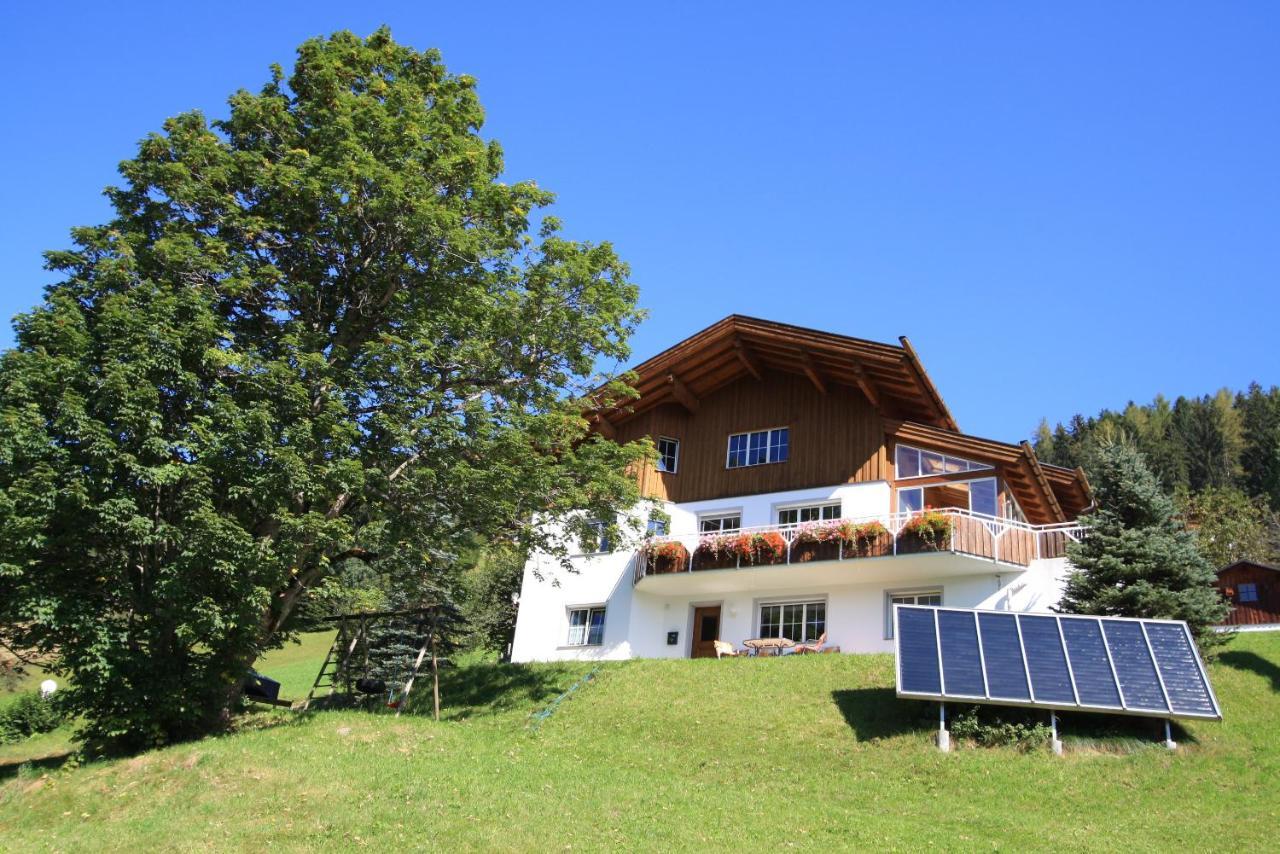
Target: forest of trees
(1217, 455)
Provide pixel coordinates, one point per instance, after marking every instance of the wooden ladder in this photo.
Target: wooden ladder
(335, 660)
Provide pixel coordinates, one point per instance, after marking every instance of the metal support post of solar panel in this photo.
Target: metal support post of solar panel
(1114, 665)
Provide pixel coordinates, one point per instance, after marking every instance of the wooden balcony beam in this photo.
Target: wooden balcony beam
(680, 392)
(864, 384)
(605, 427)
(811, 371)
(748, 361)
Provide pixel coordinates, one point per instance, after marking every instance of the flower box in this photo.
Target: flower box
(721, 551)
(666, 556)
(927, 532)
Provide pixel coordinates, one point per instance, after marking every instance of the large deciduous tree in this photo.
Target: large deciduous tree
(318, 328)
(1137, 559)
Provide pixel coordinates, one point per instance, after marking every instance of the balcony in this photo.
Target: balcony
(946, 531)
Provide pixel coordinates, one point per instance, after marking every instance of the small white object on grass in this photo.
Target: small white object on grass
(47, 687)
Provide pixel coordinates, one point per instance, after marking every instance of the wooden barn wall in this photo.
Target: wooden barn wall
(1264, 611)
(835, 438)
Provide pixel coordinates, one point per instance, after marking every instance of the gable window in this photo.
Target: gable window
(914, 462)
(668, 454)
(586, 626)
(714, 523)
(595, 539)
(809, 513)
(929, 598)
(801, 622)
(759, 448)
(1247, 592)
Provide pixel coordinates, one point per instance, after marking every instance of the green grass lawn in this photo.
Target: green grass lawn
(811, 752)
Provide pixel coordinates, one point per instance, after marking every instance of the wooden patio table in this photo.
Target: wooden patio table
(764, 645)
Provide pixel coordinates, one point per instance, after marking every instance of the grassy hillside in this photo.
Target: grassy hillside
(810, 752)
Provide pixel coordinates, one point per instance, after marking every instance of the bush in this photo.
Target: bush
(29, 715)
(987, 729)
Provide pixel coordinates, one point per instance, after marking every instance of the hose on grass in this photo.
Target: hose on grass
(538, 717)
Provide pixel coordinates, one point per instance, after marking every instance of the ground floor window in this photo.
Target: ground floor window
(586, 626)
(1247, 592)
(801, 622)
(930, 598)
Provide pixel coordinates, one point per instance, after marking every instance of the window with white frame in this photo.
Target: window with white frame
(1247, 592)
(808, 513)
(801, 622)
(978, 496)
(657, 527)
(595, 538)
(929, 598)
(759, 448)
(714, 523)
(586, 626)
(915, 462)
(668, 454)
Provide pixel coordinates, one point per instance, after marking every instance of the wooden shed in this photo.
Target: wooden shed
(1253, 589)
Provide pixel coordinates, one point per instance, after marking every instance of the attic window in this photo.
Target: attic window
(914, 462)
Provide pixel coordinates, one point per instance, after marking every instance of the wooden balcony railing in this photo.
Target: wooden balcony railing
(945, 530)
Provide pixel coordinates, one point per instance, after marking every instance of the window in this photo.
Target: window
(809, 513)
(668, 454)
(801, 622)
(913, 462)
(586, 626)
(930, 598)
(910, 500)
(1247, 592)
(595, 540)
(1012, 510)
(656, 527)
(982, 496)
(717, 522)
(759, 448)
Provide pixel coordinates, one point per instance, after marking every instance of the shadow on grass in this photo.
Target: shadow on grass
(1254, 663)
(876, 713)
(475, 690)
(9, 768)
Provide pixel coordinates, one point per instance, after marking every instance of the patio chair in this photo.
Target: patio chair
(806, 648)
(724, 648)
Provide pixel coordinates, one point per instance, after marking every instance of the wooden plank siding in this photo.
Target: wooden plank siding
(835, 437)
(1266, 609)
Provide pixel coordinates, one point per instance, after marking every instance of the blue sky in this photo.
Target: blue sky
(1064, 208)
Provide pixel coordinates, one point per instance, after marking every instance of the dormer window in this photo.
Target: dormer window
(759, 448)
(668, 455)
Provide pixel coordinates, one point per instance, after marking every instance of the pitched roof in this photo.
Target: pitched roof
(890, 376)
(1252, 563)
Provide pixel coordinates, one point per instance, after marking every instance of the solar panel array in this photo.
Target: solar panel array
(1058, 661)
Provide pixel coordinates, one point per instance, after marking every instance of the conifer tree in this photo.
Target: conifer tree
(1137, 560)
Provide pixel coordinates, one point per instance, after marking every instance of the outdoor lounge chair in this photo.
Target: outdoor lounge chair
(724, 648)
(816, 646)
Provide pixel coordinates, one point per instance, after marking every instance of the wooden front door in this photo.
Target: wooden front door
(706, 631)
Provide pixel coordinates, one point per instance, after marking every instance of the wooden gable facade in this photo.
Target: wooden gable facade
(1253, 589)
(845, 402)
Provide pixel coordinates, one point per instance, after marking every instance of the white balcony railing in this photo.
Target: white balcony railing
(952, 530)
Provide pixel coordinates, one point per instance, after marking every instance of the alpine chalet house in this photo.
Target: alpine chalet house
(805, 483)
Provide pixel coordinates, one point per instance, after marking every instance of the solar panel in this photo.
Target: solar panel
(1056, 661)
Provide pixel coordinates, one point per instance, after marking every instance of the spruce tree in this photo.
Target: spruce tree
(1137, 560)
